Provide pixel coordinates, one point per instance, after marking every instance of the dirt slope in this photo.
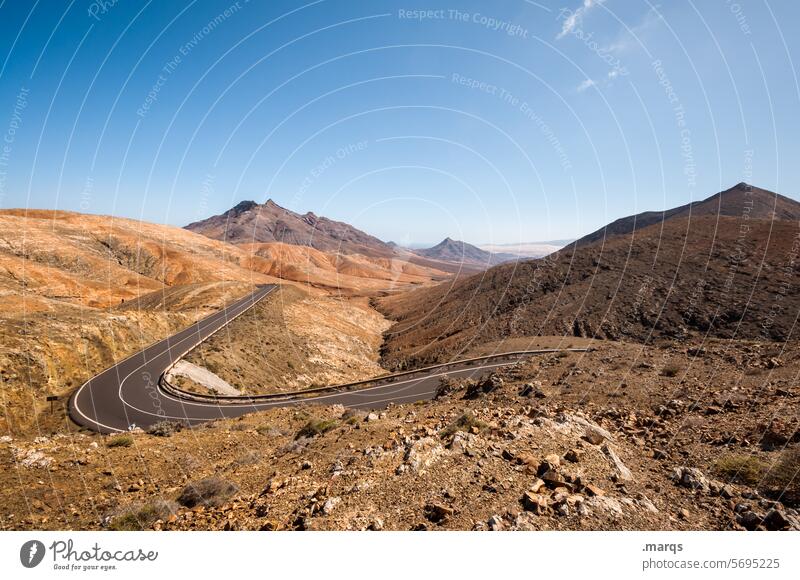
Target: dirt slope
(708, 275)
(740, 200)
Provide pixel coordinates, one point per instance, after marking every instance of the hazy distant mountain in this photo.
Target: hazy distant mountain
(250, 222)
(457, 251)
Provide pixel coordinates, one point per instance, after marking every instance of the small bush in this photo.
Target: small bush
(670, 371)
(746, 469)
(248, 458)
(140, 516)
(316, 427)
(783, 479)
(120, 441)
(465, 422)
(267, 430)
(211, 491)
(165, 428)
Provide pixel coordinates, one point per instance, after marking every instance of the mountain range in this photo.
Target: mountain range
(250, 223)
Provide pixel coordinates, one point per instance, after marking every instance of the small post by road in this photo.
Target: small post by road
(52, 399)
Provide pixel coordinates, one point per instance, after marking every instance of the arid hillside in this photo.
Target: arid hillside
(740, 201)
(340, 273)
(623, 437)
(293, 340)
(721, 276)
(99, 261)
(79, 292)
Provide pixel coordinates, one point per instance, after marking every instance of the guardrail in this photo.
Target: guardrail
(171, 389)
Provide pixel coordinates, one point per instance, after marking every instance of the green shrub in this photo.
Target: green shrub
(120, 441)
(316, 427)
(211, 491)
(140, 516)
(746, 469)
(670, 370)
(464, 423)
(782, 480)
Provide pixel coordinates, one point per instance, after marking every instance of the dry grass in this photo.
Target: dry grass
(746, 469)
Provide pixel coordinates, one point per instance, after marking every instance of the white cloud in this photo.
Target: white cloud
(588, 83)
(573, 18)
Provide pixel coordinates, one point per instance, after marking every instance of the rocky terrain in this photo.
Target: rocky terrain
(623, 437)
(680, 279)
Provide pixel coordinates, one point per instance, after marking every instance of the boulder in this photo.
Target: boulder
(620, 468)
(692, 478)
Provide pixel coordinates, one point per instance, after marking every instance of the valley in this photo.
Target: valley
(677, 412)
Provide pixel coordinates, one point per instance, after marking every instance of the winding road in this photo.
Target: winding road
(130, 393)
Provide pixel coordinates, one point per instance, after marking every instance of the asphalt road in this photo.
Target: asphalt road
(128, 394)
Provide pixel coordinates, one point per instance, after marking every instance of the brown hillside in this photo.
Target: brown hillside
(688, 277)
(740, 200)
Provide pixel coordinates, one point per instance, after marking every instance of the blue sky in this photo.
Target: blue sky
(490, 122)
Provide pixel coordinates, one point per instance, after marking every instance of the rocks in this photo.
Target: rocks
(750, 520)
(31, 458)
(533, 502)
(660, 454)
(776, 519)
(495, 523)
(573, 455)
(484, 386)
(330, 505)
(592, 433)
(620, 468)
(371, 417)
(423, 453)
(536, 486)
(551, 463)
(437, 512)
(691, 478)
(593, 490)
(533, 389)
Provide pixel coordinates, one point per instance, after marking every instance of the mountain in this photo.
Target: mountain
(249, 222)
(681, 278)
(450, 250)
(742, 199)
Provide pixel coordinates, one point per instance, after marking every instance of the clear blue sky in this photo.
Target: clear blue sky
(484, 121)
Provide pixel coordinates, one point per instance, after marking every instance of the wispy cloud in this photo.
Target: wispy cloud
(588, 83)
(572, 18)
(631, 37)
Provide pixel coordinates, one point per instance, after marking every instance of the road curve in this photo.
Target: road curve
(129, 394)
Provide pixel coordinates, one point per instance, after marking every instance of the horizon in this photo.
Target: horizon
(499, 124)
